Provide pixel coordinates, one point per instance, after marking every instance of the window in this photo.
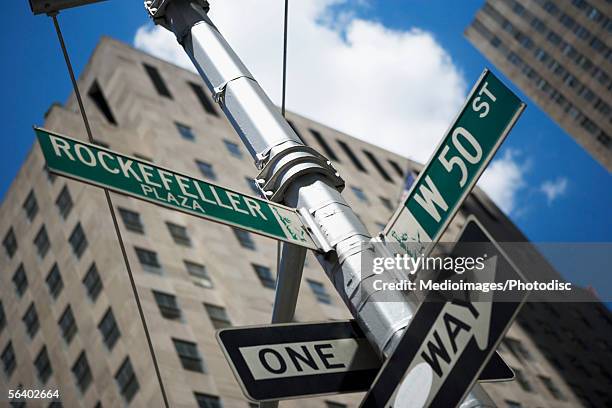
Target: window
(43, 365)
(143, 157)
(42, 242)
(265, 276)
(517, 348)
(126, 380)
(10, 242)
(378, 166)
(179, 234)
(78, 240)
(552, 388)
(356, 162)
(109, 329)
(8, 359)
(67, 325)
(359, 194)
(319, 291)
(185, 131)
(398, 169)
(233, 148)
(54, 281)
(332, 404)
(50, 176)
(168, 307)
(328, 151)
(206, 169)
(522, 380)
(2, 317)
(131, 220)
(20, 280)
(204, 101)
(81, 372)
(207, 401)
(148, 260)
(512, 404)
(96, 95)
(253, 186)
(158, 82)
(92, 282)
(218, 316)
(30, 320)
(199, 272)
(245, 239)
(189, 355)
(387, 203)
(64, 202)
(100, 143)
(30, 206)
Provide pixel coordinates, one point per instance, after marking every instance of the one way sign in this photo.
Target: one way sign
(449, 342)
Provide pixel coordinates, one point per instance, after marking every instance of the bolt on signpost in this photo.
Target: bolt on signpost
(487, 116)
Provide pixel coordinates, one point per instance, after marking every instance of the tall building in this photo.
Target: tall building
(560, 54)
(68, 320)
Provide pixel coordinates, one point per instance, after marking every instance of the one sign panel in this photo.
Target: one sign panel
(283, 361)
(489, 113)
(146, 181)
(448, 343)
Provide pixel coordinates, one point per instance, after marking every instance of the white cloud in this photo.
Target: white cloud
(504, 179)
(396, 88)
(553, 189)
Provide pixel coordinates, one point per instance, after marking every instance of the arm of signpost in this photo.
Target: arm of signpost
(291, 172)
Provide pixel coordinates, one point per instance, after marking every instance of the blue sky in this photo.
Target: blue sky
(33, 76)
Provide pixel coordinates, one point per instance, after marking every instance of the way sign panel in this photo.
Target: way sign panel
(449, 342)
(489, 113)
(283, 361)
(146, 181)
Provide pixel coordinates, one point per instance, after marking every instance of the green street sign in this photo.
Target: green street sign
(487, 116)
(137, 178)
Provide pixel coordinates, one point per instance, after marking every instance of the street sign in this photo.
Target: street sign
(143, 180)
(489, 113)
(448, 342)
(283, 361)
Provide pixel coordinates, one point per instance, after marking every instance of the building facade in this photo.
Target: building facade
(68, 319)
(560, 54)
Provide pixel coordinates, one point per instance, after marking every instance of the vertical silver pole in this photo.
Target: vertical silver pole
(265, 133)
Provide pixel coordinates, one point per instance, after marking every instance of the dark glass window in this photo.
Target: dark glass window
(50, 176)
(9, 361)
(218, 316)
(126, 380)
(148, 260)
(517, 348)
(82, 372)
(42, 242)
(244, 237)
(30, 320)
(43, 365)
(179, 234)
(67, 325)
(513, 404)
(204, 101)
(332, 404)
(100, 143)
(378, 166)
(64, 202)
(189, 355)
(207, 401)
(20, 280)
(185, 131)
(326, 149)
(97, 96)
(199, 272)
(168, 306)
(30, 206)
(319, 291)
(10, 242)
(92, 282)
(398, 169)
(109, 329)
(253, 186)
(522, 380)
(78, 240)
(54, 281)
(359, 193)
(387, 203)
(265, 276)
(552, 388)
(158, 82)
(2, 317)
(131, 220)
(206, 169)
(233, 148)
(349, 152)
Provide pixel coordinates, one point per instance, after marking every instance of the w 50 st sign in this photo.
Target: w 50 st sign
(489, 113)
